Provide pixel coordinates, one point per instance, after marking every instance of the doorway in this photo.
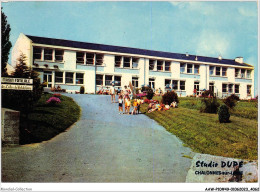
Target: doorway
(47, 77)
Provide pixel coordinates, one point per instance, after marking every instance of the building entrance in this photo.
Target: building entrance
(47, 77)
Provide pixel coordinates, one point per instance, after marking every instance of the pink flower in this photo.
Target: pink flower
(53, 100)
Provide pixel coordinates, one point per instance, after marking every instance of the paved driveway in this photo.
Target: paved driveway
(103, 146)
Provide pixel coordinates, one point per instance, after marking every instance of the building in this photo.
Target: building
(72, 64)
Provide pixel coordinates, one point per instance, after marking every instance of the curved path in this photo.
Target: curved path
(103, 146)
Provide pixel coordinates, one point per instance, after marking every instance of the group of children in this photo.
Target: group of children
(125, 99)
(161, 107)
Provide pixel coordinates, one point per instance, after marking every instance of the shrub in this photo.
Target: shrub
(231, 101)
(209, 105)
(82, 90)
(23, 100)
(223, 114)
(207, 93)
(147, 101)
(149, 93)
(137, 90)
(58, 95)
(169, 97)
(145, 88)
(53, 101)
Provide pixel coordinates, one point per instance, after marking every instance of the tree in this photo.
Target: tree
(23, 100)
(6, 44)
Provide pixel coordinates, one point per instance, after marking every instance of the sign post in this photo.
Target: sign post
(17, 83)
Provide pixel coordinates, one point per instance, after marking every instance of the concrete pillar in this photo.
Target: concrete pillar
(10, 126)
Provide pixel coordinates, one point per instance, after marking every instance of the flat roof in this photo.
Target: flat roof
(119, 49)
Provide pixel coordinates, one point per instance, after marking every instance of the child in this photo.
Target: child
(120, 101)
(135, 107)
(138, 105)
(167, 106)
(128, 105)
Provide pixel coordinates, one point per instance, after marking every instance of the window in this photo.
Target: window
(174, 84)
(99, 59)
(211, 87)
(48, 54)
(230, 88)
(58, 77)
(59, 55)
(159, 65)
(182, 85)
(167, 83)
(151, 64)
(182, 67)
(189, 68)
(224, 88)
(224, 71)
(152, 83)
(218, 71)
(127, 62)
(135, 81)
(248, 74)
(243, 72)
(197, 86)
(118, 60)
(90, 58)
(108, 80)
(211, 70)
(117, 80)
(80, 57)
(248, 89)
(99, 79)
(79, 78)
(69, 78)
(135, 63)
(37, 53)
(167, 66)
(237, 71)
(236, 88)
(196, 69)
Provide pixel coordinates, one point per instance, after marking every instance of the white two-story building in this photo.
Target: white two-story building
(72, 64)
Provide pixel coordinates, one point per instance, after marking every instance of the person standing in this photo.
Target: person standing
(112, 93)
(138, 104)
(120, 101)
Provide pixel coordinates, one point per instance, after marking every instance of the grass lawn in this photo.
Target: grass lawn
(243, 108)
(46, 121)
(203, 133)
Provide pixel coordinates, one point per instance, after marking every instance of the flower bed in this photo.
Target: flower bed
(53, 101)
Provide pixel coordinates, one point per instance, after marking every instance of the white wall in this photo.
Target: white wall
(69, 60)
(142, 75)
(175, 70)
(204, 83)
(22, 45)
(109, 61)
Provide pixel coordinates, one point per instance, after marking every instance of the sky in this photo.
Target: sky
(210, 29)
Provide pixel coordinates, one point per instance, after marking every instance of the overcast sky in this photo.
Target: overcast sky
(211, 29)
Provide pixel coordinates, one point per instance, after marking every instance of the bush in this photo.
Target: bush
(149, 93)
(58, 95)
(23, 100)
(231, 101)
(53, 101)
(223, 114)
(145, 88)
(82, 90)
(169, 97)
(209, 105)
(147, 101)
(207, 93)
